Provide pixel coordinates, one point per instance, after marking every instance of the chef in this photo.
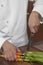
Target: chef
(13, 25)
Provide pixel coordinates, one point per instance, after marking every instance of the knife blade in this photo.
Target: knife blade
(30, 41)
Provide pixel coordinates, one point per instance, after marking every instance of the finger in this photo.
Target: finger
(8, 55)
(32, 30)
(36, 28)
(5, 54)
(13, 53)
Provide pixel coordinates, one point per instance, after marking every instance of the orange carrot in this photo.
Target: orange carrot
(19, 53)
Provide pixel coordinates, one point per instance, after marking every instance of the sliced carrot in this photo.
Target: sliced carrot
(19, 60)
(19, 53)
(18, 56)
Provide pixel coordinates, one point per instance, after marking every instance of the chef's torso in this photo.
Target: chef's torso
(13, 21)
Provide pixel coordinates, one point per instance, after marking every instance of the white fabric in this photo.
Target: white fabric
(38, 6)
(13, 25)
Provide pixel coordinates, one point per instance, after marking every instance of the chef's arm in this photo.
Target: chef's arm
(38, 7)
(34, 20)
(3, 37)
(9, 50)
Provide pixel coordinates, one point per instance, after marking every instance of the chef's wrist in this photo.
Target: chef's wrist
(35, 13)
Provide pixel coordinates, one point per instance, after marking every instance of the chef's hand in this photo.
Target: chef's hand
(9, 50)
(34, 22)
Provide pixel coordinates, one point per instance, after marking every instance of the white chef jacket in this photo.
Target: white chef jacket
(13, 25)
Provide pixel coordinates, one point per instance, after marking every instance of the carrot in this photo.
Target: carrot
(18, 56)
(19, 53)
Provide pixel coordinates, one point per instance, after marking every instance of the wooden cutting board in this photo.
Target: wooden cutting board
(4, 62)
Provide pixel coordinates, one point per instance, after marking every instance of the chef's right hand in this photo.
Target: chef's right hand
(9, 50)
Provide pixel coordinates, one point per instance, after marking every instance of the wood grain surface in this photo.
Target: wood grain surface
(4, 62)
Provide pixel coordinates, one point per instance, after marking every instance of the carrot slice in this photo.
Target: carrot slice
(19, 53)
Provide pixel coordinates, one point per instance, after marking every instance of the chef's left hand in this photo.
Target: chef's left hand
(34, 22)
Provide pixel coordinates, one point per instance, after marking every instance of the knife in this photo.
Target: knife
(20, 54)
(30, 41)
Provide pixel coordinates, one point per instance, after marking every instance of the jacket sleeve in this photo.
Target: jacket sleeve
(3, 38)
(2, 41)
(38, 7)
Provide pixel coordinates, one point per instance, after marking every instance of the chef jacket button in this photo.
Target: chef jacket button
(7, 21)
(2, 5)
